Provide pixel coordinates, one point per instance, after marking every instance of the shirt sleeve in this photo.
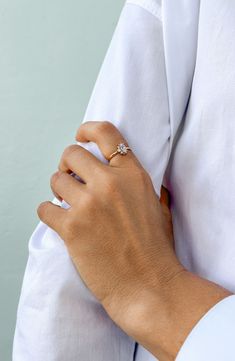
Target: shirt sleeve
(58, 317)
(131, 89)
(212, 339)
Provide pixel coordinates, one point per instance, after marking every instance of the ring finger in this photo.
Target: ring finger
(107, 137)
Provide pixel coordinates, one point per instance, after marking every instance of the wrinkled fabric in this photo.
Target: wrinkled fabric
(168, 83)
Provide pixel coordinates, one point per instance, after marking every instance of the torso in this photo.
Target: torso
(201, 174)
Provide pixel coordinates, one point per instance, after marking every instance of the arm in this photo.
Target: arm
(211, 338)
(133, 271)
(131, 92)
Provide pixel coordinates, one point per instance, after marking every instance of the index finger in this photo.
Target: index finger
(107, 137)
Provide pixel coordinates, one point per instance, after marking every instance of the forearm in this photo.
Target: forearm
(161, 318)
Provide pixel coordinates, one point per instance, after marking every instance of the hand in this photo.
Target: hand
(116, 224)
(119, 236)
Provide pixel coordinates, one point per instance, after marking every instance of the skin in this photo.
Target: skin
(120, 238)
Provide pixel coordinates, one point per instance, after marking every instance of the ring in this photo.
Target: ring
(122, 149)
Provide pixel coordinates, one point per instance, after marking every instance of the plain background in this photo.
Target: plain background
(50, 55)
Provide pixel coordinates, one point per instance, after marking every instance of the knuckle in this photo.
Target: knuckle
(83, 127)
(85, 124)
(41, 210)
(69, 150)
(104, 126)
(54, 179)
(66, 155)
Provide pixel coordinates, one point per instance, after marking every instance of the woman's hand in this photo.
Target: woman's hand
(116, 230)
(119, 236)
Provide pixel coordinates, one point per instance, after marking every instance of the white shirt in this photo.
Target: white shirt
(168, 83)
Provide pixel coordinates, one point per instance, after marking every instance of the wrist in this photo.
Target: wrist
(142, 308)
(160, 317)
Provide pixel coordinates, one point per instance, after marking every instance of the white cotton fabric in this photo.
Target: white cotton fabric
(168, 83)
(213, 337)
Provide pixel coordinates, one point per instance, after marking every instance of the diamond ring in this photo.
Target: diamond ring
(121, 149)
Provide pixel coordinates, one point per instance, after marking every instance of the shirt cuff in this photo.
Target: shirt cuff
(213, 336)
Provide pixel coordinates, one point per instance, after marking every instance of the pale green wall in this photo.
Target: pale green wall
(50, 54)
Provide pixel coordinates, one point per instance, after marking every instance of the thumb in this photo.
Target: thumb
(165, 197)
(165, 201)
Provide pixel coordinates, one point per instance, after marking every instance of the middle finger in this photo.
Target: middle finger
(67, 187)
(81, 162)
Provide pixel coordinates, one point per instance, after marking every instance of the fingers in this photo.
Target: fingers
(52, 215)
(107, 137)
(66, 187)
(80, 161)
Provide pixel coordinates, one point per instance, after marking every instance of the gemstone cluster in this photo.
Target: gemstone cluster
(122, 149)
